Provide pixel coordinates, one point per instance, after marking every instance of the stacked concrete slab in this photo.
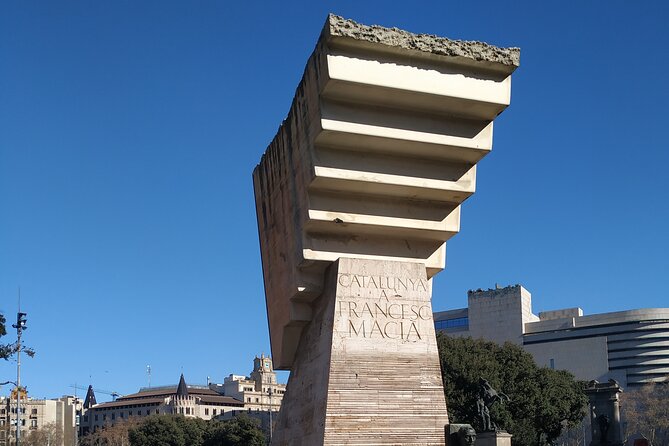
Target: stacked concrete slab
(356, 197)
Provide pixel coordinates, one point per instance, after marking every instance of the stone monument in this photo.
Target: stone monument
(355, 197)
(605, 413)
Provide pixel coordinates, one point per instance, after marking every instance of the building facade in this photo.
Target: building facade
(58, 415)
(190, 401)
(260, 391)
(631, 347)
(257, 392)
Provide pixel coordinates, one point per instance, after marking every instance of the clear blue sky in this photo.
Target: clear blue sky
(129, 131)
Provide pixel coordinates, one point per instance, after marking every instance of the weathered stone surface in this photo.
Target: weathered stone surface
(367, 369)
(442, 46)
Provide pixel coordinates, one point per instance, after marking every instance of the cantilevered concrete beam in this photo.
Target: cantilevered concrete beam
(377, 153)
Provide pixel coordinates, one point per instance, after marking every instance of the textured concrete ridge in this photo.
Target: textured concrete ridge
(478, 51)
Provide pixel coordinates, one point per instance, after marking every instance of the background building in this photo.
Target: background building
(182, 399)
(37, 414)
(260, 391)
(256, 393)
(631, 347)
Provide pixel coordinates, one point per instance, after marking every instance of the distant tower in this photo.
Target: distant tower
(263, 371)
(89, 401)
(182, 388)
(182, 402)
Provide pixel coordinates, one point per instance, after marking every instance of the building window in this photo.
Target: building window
(34, 412)
(450, 323)
(96, 417)
(156, 411)
(552, 365)
(113, 416)
(214, 412)
(33, 423)
(257, 400)
(148, 412)
(206, 411)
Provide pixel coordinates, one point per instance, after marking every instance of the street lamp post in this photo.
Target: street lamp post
(20, 326)
(269, 393)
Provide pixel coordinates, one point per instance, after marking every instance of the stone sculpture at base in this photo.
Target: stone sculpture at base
(356, 196)
(498, 438)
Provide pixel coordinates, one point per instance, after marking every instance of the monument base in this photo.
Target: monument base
(498, 438)
(367, 368)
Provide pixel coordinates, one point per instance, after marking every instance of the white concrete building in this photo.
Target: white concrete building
(631, 347)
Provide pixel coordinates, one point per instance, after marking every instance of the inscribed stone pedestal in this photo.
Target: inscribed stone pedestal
(367, 369)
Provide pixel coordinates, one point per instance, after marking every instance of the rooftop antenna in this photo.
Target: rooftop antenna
(148, 373)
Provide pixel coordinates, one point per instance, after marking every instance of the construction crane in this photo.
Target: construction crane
(114, 395)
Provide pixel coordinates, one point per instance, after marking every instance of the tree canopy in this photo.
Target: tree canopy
(170, 430)
(5, 350)
(543, 402)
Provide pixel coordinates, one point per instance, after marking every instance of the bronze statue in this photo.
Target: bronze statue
(466, 436)
(461, 435)
(604, 423)
(488, 396)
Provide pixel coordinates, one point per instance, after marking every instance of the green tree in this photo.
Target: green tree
(159, 430)
(177, 430)
(5, 350)
(543, 402)
(239, 431)
(195, 430)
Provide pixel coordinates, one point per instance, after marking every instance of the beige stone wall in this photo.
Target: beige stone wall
(36, 414)
(500, 314)
(367, 371)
